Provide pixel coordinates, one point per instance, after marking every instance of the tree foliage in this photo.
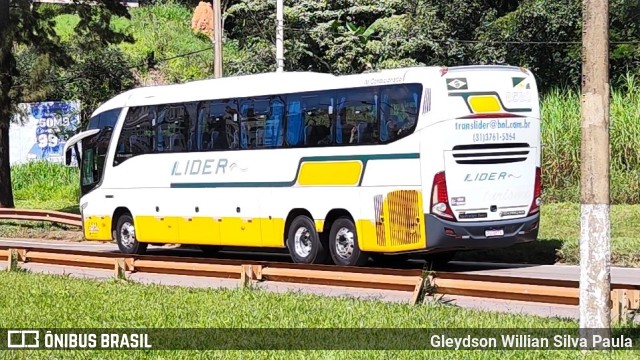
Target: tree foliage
(351, 36)
(31, 36)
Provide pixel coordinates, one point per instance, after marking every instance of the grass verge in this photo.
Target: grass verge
(42, 185)
(48, 301)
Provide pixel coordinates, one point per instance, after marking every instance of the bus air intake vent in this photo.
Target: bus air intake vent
(398, 219)
(483, 154)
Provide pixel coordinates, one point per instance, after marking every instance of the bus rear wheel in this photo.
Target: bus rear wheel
(343, 243)
(304, 242)
(126, 236)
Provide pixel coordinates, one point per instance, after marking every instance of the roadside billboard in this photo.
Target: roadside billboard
(41, 132)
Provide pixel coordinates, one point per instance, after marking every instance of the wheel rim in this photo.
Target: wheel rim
(302, 242)
(127, 235)
(345, 243)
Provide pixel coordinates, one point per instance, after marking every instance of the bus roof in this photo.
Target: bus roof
(262, 84)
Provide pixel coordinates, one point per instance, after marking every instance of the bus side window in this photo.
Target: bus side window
(274, 125)
(316, 119)
(202, 113)
(294, 122)
(399, 111)
(357, 117)
(136, 136)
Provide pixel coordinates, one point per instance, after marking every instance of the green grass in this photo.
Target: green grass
(47, 186)
(48, 301)
(561, 140)
(43, 182)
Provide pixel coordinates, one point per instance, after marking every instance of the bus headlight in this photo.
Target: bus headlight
(82, 207)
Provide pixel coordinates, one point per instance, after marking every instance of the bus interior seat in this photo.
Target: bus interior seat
(176, 142)
(363, 132)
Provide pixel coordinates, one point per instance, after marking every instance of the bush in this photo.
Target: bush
(561, 136)
(42, 181)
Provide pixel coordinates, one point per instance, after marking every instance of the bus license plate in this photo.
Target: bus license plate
(494, 232)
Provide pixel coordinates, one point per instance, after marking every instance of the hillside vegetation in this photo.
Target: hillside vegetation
(354, 36)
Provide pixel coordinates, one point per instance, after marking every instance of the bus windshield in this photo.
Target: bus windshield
(94, 153)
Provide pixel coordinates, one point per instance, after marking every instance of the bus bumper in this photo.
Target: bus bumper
(471, 235)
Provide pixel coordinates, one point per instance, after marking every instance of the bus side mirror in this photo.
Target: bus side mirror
(68, 157)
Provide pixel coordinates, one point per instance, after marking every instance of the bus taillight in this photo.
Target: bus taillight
(537, 193)
(440, 198)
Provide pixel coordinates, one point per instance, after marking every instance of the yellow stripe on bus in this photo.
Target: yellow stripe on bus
(229, 231)
(484, 104)
(330, 173)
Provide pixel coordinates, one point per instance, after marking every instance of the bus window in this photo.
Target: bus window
(274, 125)
(174, 123)
(94, 154)
(357, 117)
(308, 119)
(253, 115)
(294, 122)
(219, 129)
(137, 134)
(105, 119)
(316, 118)
(398, 111)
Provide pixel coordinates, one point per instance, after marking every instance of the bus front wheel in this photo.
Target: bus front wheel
(304, 242)
(343, 243)
(126, 236)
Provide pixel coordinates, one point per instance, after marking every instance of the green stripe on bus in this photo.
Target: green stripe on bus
(363, 158)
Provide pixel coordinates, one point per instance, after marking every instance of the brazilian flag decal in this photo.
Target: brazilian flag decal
(520, 83)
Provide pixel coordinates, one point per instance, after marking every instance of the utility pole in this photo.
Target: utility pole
(280, 35)
(595, 234)
(217, 38)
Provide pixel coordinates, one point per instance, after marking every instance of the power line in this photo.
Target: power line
(470, 41)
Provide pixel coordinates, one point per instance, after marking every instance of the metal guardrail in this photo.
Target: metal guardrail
(58, 217)
(625, 296)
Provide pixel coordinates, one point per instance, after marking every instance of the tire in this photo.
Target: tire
(210, 249)
(343, 244)
(126, 236)
(304, 242)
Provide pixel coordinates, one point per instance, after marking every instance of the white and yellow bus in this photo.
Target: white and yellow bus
(335, 169)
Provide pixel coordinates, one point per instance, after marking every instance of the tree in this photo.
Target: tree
(25, 26)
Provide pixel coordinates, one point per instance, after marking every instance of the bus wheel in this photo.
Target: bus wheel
(304, 243)
(343, 243)
(126, 236)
